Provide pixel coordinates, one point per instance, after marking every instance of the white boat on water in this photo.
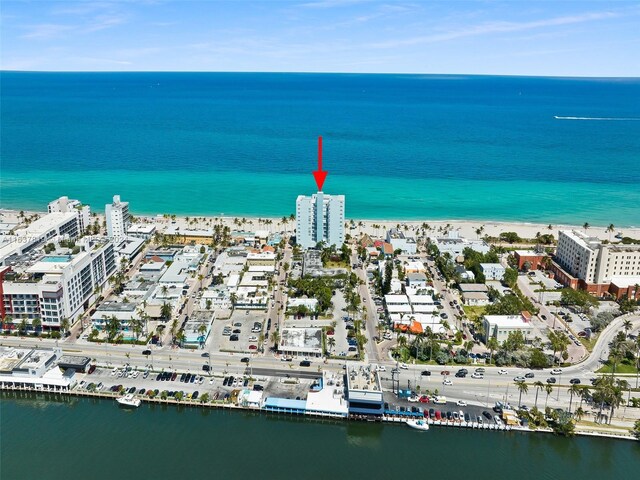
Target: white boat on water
(418, 424)
(128, 400)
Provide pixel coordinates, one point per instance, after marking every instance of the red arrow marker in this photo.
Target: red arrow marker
(319, 175)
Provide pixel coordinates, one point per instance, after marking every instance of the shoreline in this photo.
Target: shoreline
(465, 228)
(307, 416)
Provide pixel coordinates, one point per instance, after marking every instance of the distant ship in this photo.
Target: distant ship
(128, 401)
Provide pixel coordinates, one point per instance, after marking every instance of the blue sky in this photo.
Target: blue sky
(564, 38)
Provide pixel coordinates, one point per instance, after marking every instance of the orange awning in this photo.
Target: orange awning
(416, 328)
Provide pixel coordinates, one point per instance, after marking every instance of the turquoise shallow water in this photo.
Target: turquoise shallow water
(84, 438)
(399, 146)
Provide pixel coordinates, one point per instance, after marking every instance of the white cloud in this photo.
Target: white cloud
(496, 27)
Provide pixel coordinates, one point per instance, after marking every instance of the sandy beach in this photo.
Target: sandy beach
(375, 228)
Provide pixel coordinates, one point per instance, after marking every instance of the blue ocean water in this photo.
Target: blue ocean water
(398, 146)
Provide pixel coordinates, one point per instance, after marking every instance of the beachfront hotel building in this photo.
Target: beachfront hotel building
(117, 217)
(46, 229)
(66, 205)
(54, 286)
(587, 263)
(320, 218)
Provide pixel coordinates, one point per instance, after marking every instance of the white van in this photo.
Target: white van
(440, 400)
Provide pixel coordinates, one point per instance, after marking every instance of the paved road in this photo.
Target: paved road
(371, 348)
(492, 387)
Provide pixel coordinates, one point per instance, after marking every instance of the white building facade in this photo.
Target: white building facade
(588, 259)
(56, 287)
(320, 218)
(117, 217)
(66, 205)
(492, 271)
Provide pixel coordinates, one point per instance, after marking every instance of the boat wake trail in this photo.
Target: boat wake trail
(614, 119)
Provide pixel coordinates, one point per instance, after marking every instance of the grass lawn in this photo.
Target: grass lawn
(474, 313)
(623, 367)
(588, 344)
(341, 264)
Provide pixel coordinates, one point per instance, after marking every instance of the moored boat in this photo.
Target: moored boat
(129, 401)
(418, 424)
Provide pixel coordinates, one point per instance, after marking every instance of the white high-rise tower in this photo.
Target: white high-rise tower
(118, 218)
(320, 218)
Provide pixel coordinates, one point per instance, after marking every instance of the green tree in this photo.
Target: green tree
(574, 389)
(510, 277)
(635, 431)
(522, 388)
(23, 325)
(165, 311)
(548, 390)
(539, 386)
(579, 299)
(492, 345)
(36, 323)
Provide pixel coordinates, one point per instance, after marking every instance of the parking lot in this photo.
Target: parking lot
(469, 413)
(217, 387)
(240, 333)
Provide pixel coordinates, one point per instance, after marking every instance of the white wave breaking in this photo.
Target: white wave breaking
(614, 119)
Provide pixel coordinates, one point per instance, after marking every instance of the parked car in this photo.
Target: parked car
(461, 403)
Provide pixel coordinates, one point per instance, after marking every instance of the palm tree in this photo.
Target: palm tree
(627, 325)
(332, 343)
(522, 388)
(23, 325)
(201, 331)
(35, 323)
(548, 389)
(539, 386)
(578, 414)
(492, 345)
(276, 338)
(181, 337)
(574, 389)
(64, 324)
(584, 393)
(586, 226)
(610, 229)
(136, 326)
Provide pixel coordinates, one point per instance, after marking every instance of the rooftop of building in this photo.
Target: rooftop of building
(363, 377)
(508, 321)
(116, 306)
(12, 358)
(329, 398)
(47, 223)
(301, 339)
(473, 287)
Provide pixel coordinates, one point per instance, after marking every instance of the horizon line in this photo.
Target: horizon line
(328, 73)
